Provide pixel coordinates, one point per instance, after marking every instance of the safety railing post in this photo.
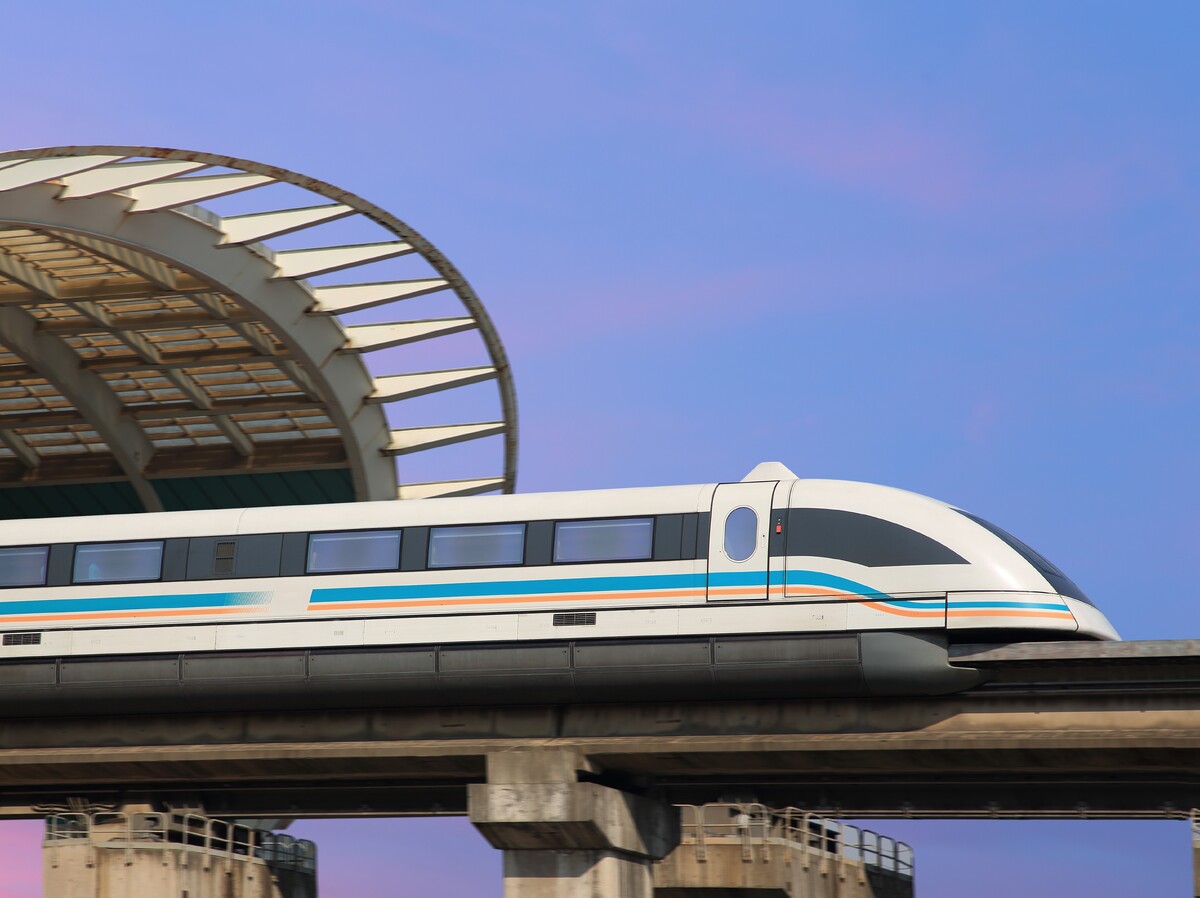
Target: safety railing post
(1195, 821)
(806, 840)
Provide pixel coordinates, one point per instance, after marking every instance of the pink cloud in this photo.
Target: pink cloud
(21, 859)
(983, 419)
(852, 147)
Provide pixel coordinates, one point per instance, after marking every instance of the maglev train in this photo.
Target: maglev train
(771, 587)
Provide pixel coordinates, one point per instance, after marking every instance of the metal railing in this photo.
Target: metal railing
(802, 836)
(212, 838)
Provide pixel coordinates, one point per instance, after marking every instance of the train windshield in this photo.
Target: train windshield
(1060, 581)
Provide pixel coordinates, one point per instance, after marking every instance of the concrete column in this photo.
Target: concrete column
(1196, 852)
(563, 838)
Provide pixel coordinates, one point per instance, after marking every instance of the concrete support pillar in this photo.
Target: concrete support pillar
(152, 854)
(563, 838)
(1196, 852)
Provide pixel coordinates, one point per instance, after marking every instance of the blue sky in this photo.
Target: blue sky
(946, 247)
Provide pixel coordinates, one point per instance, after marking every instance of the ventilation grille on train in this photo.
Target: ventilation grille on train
(576, 619)
(22, 638)
(223, 557)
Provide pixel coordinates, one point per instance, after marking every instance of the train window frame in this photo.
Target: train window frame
(649, 556)
(162, 551)
(434, 532)
(308, 548)
(740, 532)
(45, 565)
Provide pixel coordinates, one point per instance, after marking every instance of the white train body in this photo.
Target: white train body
(771, 555)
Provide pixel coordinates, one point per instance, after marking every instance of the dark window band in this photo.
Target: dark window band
(1062, 584)
(666, 537)
(862, 539)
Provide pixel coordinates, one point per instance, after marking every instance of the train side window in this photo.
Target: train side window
(485, 545)
(23, 565)
(354, 550)
(613, 539)
(128, 562)
(862, 539)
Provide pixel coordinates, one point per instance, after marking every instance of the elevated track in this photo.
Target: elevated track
(1059, 730)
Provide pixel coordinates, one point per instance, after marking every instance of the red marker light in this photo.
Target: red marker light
(779, 526)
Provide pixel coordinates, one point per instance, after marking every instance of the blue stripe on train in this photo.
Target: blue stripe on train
(830, 581)
(505, 588)
(1053, 606)
(400, 592)
(134, 603)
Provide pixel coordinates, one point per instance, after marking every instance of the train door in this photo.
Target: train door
(739, 541)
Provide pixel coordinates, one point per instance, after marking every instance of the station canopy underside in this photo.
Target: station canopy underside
(180, 330)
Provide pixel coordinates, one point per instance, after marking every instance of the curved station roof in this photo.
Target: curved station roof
(185, 330)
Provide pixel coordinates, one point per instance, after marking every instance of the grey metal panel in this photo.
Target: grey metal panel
(641, 653)
(604, 671)
(778, 532)
(34, 673)
(668, 535)
(913, 664)
(381, 690)
(643, 684)
(414, 546)
(790, 681)
(258, 555)
(227, 667)
(760, 649)
(509, 687)
(688, 539)
(58, 568)
(496, 658)
(396, 662)
(293, 554)
(120, 670)
(175, 556)
(702, 524)
(200, 557)
(539, 542)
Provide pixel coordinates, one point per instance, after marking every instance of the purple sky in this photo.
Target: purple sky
(946, 247)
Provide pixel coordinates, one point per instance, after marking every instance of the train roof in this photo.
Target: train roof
(410, 512)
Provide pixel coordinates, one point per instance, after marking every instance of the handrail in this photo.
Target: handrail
(755, 827)
(181, 832)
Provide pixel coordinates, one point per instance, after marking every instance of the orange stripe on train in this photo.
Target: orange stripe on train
(1011, 612)
(117, 615)
(508, 600)
(904, 612)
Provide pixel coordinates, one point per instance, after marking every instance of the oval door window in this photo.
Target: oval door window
(741, 533)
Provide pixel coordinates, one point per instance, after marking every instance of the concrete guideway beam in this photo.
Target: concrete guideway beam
(563, 837)
(1109, 737)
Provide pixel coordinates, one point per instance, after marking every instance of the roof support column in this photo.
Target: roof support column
(85, 390)
(568, 839)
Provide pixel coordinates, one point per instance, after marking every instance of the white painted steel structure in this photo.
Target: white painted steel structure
(156, 327)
